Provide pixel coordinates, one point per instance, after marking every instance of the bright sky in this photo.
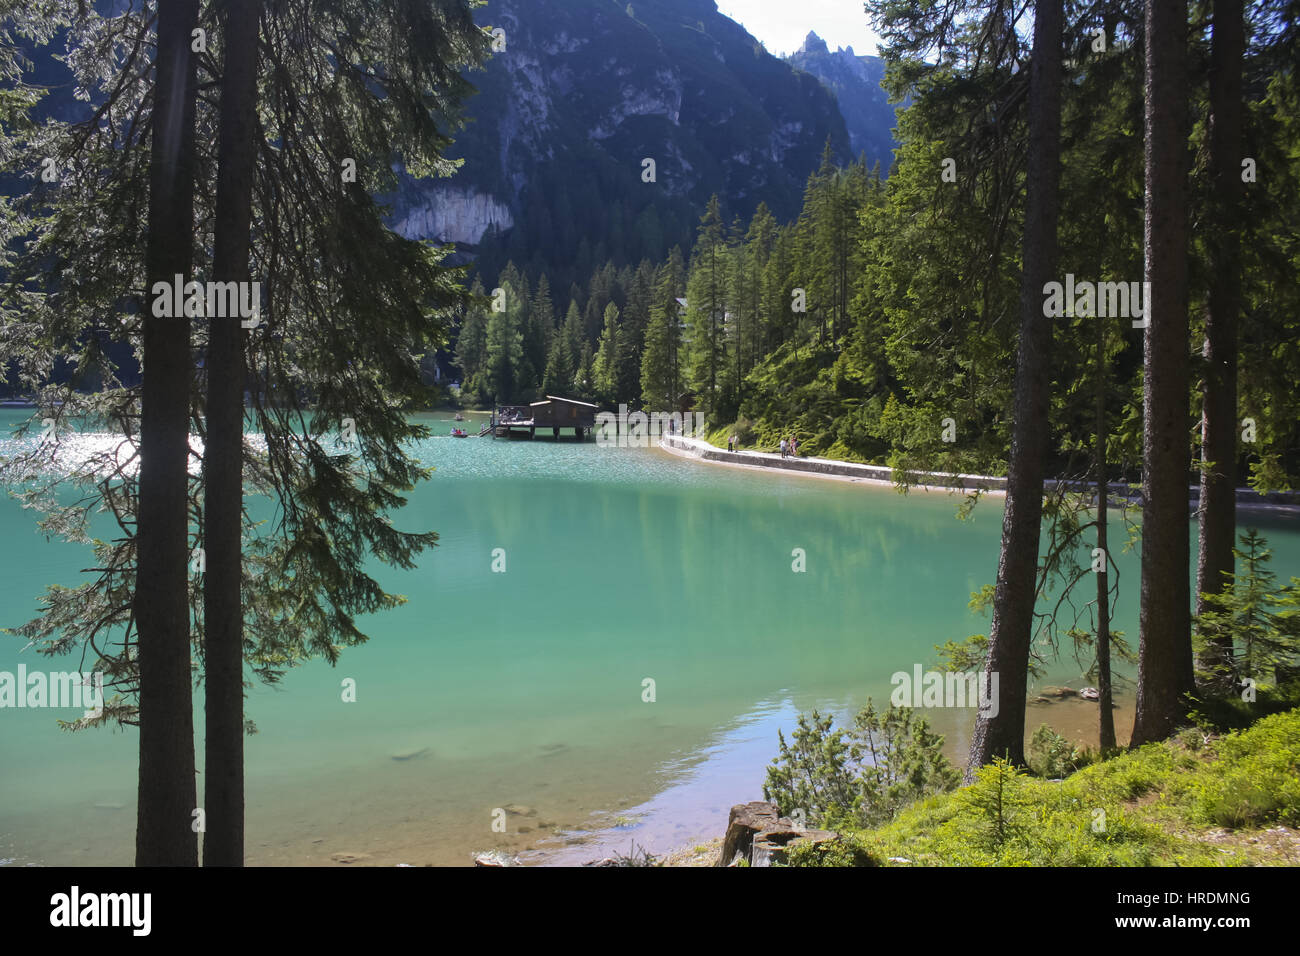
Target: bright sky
(782, 24)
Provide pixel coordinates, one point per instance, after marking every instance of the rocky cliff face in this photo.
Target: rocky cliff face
(583, 93)
(451, 214)
(855, 81)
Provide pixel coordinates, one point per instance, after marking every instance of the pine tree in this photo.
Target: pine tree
(779, 320)
(827, 226)
(352, 308)
(575, 341)
(542, 316)
(530, 367)
(583, 377)
(505, 351)
(471, 345)
(656, 361)
(1001, 733)
(223, 455)
(1218, 501)
(608, 358)
(706, 308)
(166, 796)
(668, 292)
(748, 294)
(1165, 672)
(559, 369)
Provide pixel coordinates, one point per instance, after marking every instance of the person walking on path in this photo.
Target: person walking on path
(782, 447)
(794, 448)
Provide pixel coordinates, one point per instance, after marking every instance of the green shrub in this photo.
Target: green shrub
(859, 777)
(744, 431)
(1191, 738)
(1050, 755)
(847, 850)
(1255, 779)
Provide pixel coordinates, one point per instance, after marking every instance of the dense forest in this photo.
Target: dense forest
(889, 305)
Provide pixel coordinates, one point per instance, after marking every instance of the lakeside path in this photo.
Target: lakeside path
(826, 467)
(1281, 503)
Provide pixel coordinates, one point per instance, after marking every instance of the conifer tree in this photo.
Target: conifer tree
(166, 797)
(505, 352)
(707, 306)
(1165, 670)
(1001, 732)
(471, 345)
(329, 268)
(223, 454)
(542, 319)
(1218, 500)
(605, 367)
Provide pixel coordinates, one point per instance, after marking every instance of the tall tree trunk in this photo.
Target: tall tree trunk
(223, 619)
(1105, 690)
(166, 803)
(1001, 733)
(1164, 621)
(1218, 505)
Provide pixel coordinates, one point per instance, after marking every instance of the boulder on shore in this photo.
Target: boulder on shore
(757, 833)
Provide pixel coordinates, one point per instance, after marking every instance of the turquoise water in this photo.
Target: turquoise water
(523, 690)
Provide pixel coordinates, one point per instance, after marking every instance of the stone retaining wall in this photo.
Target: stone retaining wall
(1282, 501)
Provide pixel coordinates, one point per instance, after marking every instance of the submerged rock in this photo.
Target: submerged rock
(349, 857)
(1059, 693)
(409, 754)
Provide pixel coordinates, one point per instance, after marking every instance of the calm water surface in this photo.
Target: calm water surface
(523, 690)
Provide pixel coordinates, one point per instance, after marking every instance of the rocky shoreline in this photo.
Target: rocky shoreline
(757, 835)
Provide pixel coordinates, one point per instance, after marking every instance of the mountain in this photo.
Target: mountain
(581, 94)
(855, 81)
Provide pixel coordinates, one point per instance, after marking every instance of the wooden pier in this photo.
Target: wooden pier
(554, 413)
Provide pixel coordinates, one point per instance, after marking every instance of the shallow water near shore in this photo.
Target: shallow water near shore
(521, 691)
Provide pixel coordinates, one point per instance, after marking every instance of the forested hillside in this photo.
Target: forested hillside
(886, 311)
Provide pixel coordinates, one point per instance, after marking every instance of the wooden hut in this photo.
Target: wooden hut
(555, 413)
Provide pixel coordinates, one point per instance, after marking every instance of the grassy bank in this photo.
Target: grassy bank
(1195, 800)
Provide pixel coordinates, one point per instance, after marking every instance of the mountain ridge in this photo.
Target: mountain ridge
(854, 79)
(583, 92)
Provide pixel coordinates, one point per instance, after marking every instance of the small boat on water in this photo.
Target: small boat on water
(460, 417)
(459, 433)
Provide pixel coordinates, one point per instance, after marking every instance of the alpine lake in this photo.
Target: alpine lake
(598, 653)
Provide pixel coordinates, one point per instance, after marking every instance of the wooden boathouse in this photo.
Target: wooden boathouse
(554, 413)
